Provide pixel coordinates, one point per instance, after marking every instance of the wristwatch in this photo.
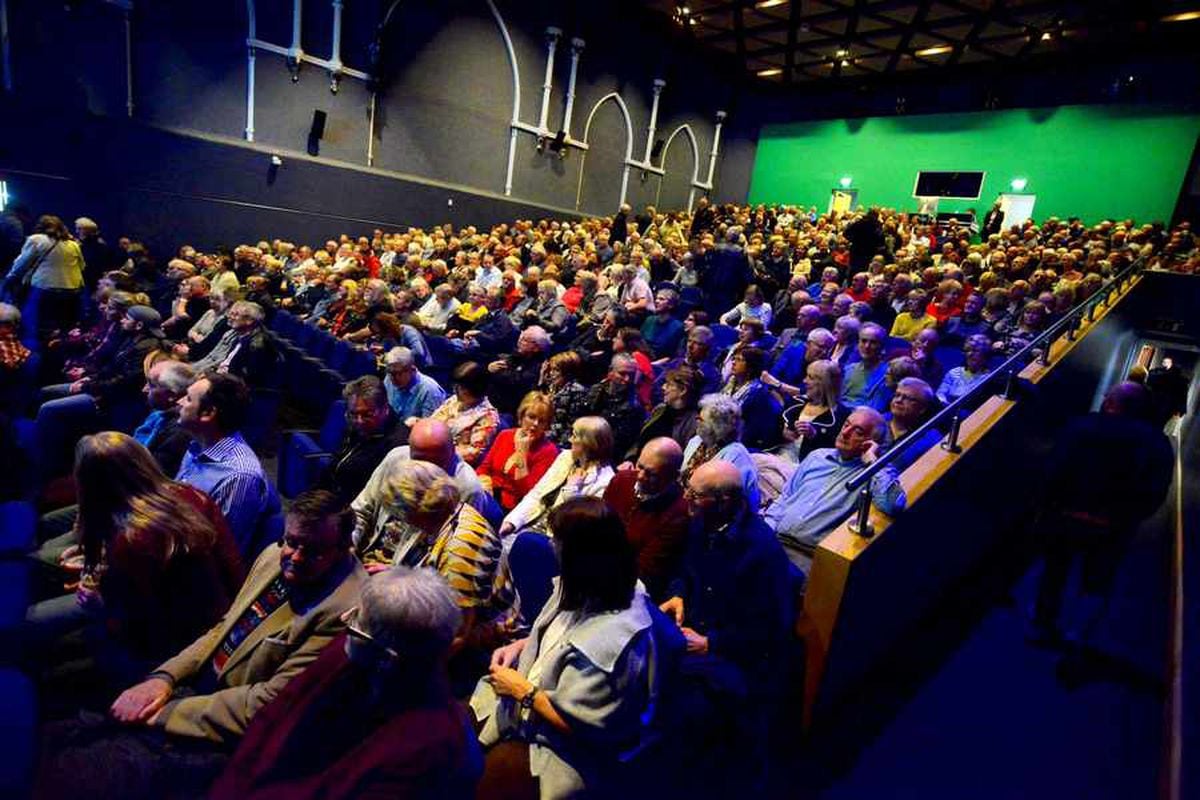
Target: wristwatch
(527, 701)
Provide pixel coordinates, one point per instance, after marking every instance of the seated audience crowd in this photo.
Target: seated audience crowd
(582, 489)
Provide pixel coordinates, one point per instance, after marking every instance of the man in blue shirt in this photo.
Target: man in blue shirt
(864, 384)
(410, 393)
(815, 500)
(220, 463)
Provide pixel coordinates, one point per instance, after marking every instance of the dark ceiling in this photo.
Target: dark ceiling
(806, 41)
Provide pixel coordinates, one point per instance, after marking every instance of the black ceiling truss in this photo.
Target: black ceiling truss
(856, 39)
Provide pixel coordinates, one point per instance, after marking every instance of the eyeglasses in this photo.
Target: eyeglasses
(908, 398)
(350, 620)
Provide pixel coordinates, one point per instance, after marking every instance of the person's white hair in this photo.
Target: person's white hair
(176, 376)
(537, 334)
(9, 315)
(412, 611)
(248, 309)
(399, 357)
(720, 420)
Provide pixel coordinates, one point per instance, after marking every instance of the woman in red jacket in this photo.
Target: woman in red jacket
(521, 455)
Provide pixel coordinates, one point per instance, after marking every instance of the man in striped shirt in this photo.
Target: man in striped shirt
(219, 462)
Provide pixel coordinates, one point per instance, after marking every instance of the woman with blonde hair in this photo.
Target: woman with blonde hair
(520, 456)
(158, 563)
(584, 470)
(817, 416)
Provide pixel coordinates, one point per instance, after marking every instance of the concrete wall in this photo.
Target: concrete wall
(443, 108)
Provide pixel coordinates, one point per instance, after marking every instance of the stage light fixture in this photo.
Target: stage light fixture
(1019, 184)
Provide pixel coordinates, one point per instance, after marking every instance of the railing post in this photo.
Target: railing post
(1010, 385)
(1073, 328)
(861, 524)
(1044, 358)
(951, 444)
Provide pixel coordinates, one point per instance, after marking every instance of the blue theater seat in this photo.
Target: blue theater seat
(304, 454)
(18, 523)
(533, 566)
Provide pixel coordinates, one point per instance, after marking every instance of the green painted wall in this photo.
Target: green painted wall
(1086, 161)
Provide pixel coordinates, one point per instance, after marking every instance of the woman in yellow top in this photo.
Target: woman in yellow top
(914, 318)
(51, 265)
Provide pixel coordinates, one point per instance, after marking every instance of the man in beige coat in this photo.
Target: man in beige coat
(288, 609)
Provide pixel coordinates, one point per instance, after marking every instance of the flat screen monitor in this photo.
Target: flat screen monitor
(958, 185)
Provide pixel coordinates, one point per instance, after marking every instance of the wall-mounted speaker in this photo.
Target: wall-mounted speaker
(316, 132)
(558, 142)
(656, 151)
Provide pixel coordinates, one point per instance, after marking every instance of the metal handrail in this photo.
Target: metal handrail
(1010, 368)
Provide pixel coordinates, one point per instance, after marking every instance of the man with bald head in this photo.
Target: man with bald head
(649, 500)
(733, 602)
(429, 440)
(730, 599)
(815, 499)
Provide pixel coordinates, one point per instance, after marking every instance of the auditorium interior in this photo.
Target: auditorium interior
(334, 332)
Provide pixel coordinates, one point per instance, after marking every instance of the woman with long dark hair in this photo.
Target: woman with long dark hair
(560, 705)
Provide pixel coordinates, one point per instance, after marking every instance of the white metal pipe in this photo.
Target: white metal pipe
(250, 94)
(251, 38)
(512, 159)
(296, 50)
(335, 56)
(516, 102)
(659, 83)
(716, 146)
(552, 37)
(577, 45)
(371, 130)
(128, 64)
(624, 183)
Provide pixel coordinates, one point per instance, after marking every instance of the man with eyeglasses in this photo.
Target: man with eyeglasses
(373, 716)
(864, 383)
(182, 718)
(372, 430)
(733, 602)
(909, 408)
(815, 499)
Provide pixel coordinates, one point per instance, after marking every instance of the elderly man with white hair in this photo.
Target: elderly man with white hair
(815, 499)
(398, 731)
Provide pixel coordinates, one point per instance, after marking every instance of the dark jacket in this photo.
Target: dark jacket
(736, 591)
(255, 359)
(725, 280)
(496, 333)
(357, 458)
(624, 413)
(509, 385)
(123, 375)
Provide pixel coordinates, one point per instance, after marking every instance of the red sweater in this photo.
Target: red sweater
(508, 489)
(657, 528)
(321, 738)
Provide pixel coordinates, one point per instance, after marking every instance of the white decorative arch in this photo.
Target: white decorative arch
(662, 164)
(587, 132)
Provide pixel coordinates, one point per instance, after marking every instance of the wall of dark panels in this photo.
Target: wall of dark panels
(442, 111)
